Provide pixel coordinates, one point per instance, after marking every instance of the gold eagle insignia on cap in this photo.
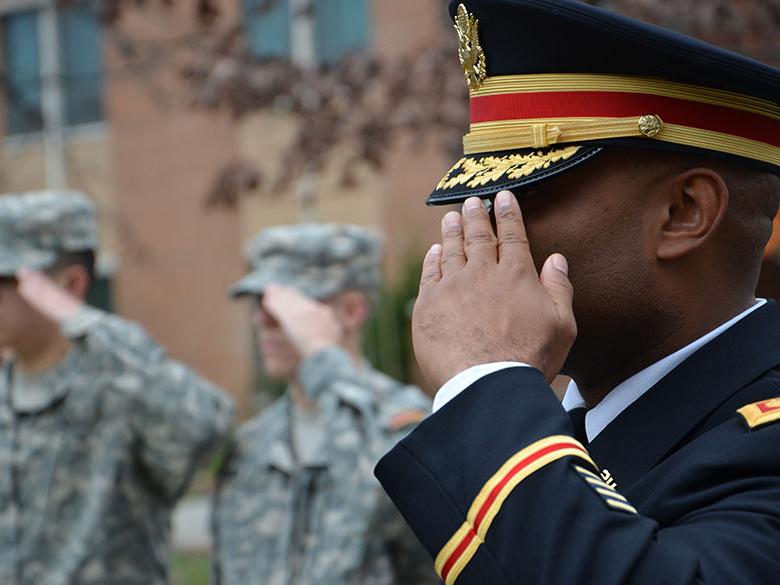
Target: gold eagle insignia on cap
(470, 53)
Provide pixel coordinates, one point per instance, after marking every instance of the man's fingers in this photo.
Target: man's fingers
(555, 280)
(28, 278)
(479, 239)
(512, 239)
(452, 253)
(46, 296)
(273, 299)
(431, 268)
(281, 301)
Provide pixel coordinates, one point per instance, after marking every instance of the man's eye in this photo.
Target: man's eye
(530, 193)
(528, 197)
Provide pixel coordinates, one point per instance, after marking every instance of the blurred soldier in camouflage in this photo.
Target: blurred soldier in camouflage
(297, 503)
(99, 431)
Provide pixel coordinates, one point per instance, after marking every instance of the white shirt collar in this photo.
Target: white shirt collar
(628, 391)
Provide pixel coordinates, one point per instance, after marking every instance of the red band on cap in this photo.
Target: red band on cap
(604, 104)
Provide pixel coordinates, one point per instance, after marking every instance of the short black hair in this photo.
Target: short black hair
(83, 258)
(753, 205)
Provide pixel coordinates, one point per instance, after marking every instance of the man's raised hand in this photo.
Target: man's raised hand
(309, 324)
(42, 293)
(481, 299)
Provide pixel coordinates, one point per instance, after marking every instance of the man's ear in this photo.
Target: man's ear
(354, 309)
(692, 207)
(75, 280)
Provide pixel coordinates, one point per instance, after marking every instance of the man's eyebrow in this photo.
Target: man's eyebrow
(529, 193)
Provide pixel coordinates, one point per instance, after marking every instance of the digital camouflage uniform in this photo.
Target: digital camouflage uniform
(97, 450)
(285, 515)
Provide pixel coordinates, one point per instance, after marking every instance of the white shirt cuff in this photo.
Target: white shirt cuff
(466, 378)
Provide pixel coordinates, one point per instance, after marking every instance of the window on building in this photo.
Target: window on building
(81, 60)
(80, 64)
(268, 27)
(22, 72)
(340, 27)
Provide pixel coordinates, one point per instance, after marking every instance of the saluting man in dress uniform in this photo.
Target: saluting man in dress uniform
(631, 174)
(100, 432)
(297, 502)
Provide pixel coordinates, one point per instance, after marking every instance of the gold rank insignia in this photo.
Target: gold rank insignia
(470, 53)
(761, 413)
(606, 490)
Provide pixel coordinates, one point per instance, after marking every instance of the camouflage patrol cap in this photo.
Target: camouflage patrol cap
(35, 227)
(319, 260)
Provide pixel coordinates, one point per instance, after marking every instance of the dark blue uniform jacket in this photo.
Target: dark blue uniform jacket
(499, 492)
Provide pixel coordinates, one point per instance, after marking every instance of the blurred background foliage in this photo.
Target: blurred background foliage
(190, 569)
(388, 340)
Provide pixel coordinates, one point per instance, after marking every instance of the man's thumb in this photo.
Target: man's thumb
(555, 280)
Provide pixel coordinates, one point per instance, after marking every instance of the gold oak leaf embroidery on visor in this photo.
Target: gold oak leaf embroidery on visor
(478, 172)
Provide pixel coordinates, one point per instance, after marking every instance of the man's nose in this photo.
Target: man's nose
(262, 318)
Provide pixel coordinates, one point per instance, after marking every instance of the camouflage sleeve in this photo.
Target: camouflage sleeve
(177, 417)
(124, 338)
(180, 420)
(341, 389)
(331, 373)
(224, 529)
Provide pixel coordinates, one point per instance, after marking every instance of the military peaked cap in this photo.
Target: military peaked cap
(554, 82)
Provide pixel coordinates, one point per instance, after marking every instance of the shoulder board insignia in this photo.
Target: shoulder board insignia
(761, 413)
